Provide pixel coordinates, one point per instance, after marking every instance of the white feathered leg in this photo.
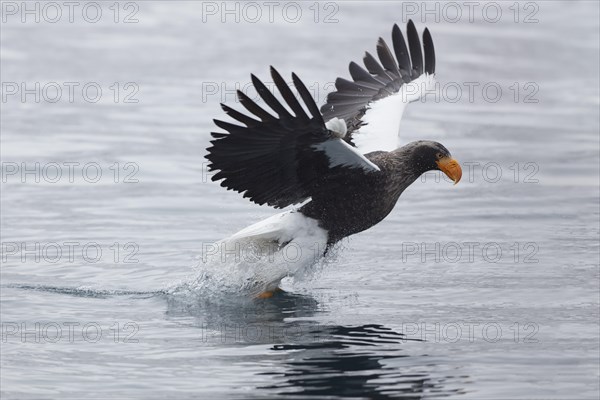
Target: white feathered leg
(270, 250)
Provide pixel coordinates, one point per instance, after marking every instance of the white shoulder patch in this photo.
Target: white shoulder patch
(337, 126)
(340, 153)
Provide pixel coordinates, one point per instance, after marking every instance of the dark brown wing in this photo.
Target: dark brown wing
(277, 160)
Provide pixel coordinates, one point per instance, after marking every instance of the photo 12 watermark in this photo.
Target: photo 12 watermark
(452, 332)
(490, 172)
(53, 12)
(469, 252)
(432, 332)
(252, 12)
(255, 252)
(410, 252)
(69, 252)
(69, 172)
(519, 12)
(69, 332)
(69, 92)
(488, 92)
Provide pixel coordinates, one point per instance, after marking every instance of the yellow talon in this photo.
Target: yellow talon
(265, 295)
(269, 293)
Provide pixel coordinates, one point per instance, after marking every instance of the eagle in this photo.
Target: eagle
(340, 165)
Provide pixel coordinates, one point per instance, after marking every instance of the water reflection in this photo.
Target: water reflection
(242, 313)
(294, 351)
(316, 359)
(357, 361)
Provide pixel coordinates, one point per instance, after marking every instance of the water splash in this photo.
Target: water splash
(84, 291)
(244, 274)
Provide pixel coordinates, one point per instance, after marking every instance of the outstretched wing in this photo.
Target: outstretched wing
(279, 160)
(373, 102)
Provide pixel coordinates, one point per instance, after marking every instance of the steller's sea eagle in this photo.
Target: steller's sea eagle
(341, 161)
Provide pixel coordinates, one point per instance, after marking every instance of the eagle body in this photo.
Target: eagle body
(341, 162)
(353, 202)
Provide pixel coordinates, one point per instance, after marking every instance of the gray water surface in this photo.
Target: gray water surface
(484, 290)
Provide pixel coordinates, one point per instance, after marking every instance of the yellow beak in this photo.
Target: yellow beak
(451, 168)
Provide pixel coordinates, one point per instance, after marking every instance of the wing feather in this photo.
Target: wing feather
(268, 97)
(359, 74)
(376, 69)
(307, 98)
(254, 108)
(280, 161)
(386, 57)
(288, 95)
(414, 44)
(244, 119)
(373, 102)
(429, 52)
(400, 49)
